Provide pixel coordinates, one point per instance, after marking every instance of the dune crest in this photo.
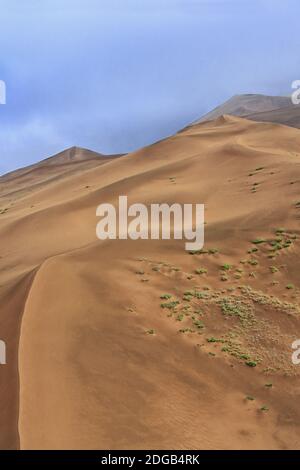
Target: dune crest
(139, 344)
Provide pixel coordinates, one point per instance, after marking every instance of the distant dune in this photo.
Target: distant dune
(261, 108)
(68, 162)
(140, 344)
(243, 105)
(278, 109)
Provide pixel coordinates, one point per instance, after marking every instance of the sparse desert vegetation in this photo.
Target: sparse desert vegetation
(207, 329)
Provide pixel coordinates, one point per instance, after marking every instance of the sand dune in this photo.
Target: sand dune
(67, 162)
(94, 359)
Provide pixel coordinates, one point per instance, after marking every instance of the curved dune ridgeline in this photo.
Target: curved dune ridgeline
(140, 344)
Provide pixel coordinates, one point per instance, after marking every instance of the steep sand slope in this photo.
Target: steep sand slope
(15, 278)
(91, 374)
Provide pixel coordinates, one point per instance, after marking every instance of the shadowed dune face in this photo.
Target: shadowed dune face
(289, 116)
(139, 344)
(244, 105)
(261, 108)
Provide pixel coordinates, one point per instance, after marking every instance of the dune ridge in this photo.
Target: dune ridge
(78, 313)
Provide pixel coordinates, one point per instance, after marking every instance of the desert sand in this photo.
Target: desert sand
(125, 344)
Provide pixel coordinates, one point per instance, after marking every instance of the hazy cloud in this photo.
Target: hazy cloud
(118, 74)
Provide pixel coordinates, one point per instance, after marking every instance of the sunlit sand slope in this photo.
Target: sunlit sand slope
(140, 344)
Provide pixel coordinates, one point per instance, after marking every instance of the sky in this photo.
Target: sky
(116, 75)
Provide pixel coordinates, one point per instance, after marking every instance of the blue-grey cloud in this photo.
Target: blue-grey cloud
(114, 75)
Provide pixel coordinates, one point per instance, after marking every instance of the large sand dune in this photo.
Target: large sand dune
(94, 359)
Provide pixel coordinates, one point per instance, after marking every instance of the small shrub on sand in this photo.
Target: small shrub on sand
(264, 408)
(166, 296)
(253, 262)
(290, 286)
(258, 241)
(170, 305)
(201, 271)
(212, 339)
(251, 363)
(226, 267)
(180, 317)
(199, 324)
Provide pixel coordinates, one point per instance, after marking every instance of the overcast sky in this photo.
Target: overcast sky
(115, 75)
